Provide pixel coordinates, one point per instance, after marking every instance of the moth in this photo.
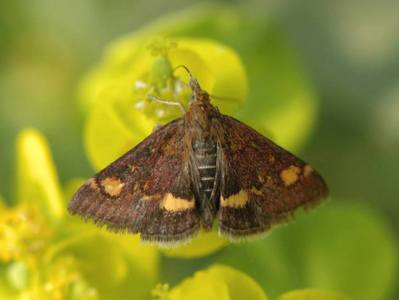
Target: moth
(193, 170)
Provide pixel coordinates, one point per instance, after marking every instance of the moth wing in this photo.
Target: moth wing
(145, 191)
(261, 183)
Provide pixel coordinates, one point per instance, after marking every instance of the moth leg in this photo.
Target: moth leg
(168, 102)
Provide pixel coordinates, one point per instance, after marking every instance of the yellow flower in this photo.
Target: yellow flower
(22, 232)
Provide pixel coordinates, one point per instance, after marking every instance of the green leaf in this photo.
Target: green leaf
(342, 246)
(37, 181)
(218, 283)
(312, 294)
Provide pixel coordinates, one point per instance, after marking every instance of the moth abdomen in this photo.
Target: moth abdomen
(205, 154)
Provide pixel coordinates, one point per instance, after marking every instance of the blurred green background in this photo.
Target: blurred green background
(342, 57)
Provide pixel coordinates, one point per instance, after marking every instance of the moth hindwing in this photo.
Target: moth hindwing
(195, 169)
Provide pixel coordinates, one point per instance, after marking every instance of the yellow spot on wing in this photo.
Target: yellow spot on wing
(235, 201)
(112, 186)
(290, 175)
(307, 170)
(172, 203)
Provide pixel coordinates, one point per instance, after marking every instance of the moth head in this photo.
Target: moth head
(198, 93)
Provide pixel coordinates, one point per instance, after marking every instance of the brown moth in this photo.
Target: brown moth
(193, 170)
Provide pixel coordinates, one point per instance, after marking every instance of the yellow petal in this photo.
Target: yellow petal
(37, 180)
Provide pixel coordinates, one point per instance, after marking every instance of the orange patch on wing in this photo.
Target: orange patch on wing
(236, 200)
(172, 203)
(290, 175)
(112, 186)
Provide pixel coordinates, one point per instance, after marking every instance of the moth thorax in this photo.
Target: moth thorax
(205, 155)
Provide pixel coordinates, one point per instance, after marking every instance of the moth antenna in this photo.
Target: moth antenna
(168, 102)
(185, 68)
(194, 85)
